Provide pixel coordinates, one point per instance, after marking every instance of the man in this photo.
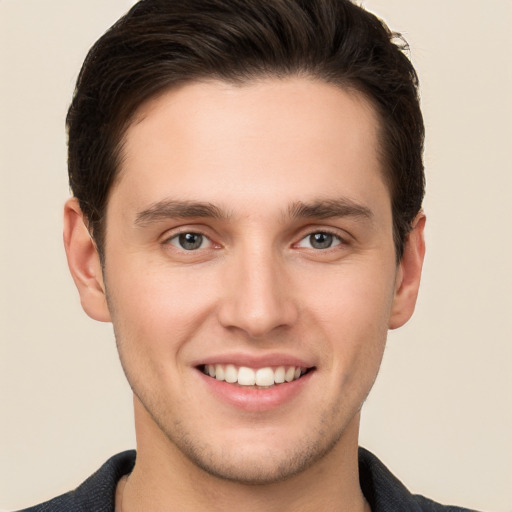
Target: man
(247, 181)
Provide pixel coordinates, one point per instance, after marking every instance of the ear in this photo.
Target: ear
(409, 274)
(84, 262)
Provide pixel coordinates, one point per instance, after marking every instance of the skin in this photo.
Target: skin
(256, 287)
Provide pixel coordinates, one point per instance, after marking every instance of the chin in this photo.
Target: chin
(257, 460)
(256, 468)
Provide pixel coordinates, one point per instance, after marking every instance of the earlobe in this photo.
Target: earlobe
(409, 274)
(84, 262)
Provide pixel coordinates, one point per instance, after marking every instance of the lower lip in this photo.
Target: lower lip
(255, 399)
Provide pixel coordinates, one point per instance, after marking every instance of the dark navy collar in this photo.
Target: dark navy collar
(383, 491)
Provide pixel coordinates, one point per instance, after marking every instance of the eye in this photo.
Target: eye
(190, 241)
(320, 240)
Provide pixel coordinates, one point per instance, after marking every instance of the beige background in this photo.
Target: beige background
(440, 415)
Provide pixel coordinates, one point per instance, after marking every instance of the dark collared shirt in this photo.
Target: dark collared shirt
(383, 491)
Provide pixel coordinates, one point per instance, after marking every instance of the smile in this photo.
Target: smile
(260, 377)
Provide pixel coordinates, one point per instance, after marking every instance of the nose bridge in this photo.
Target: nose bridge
(257, 298)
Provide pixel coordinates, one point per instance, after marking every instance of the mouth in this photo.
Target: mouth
(258, 378)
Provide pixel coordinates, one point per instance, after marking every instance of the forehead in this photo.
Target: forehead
(211, 141)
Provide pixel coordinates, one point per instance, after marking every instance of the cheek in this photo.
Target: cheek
(351, 307)
(355, 296)
(156, 309)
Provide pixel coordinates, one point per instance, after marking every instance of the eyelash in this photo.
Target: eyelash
(335, 237)
(176, 237)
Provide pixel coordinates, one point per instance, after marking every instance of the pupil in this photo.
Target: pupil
(190, 241)
(321, 240)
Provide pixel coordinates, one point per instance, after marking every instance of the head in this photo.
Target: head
(161, 44)
(251, 175)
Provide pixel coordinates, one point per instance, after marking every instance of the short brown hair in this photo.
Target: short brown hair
(159, 44)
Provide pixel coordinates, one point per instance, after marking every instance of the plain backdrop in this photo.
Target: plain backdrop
(440, 415)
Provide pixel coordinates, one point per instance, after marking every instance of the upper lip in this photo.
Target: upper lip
(255, 361)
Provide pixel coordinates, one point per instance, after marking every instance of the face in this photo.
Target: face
(250, 272)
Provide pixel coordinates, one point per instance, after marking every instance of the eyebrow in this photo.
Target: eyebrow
(329, 208)
(319, 209)
(173, 209)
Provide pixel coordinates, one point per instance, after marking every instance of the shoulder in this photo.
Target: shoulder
(97, 493)
(427, 505)
(385, 493)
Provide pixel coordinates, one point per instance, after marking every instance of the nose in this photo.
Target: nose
(257, 297)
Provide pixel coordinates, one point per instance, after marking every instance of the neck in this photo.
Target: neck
(165, 479)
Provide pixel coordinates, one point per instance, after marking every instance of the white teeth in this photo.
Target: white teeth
(231, 374)
(264, 377)
(279, 375)
(219, 372)
(290, 374)
(245, 376)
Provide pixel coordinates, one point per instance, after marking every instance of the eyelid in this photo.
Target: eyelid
(340, 234)
(338, 241)
(175, 241)
(176, 232)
